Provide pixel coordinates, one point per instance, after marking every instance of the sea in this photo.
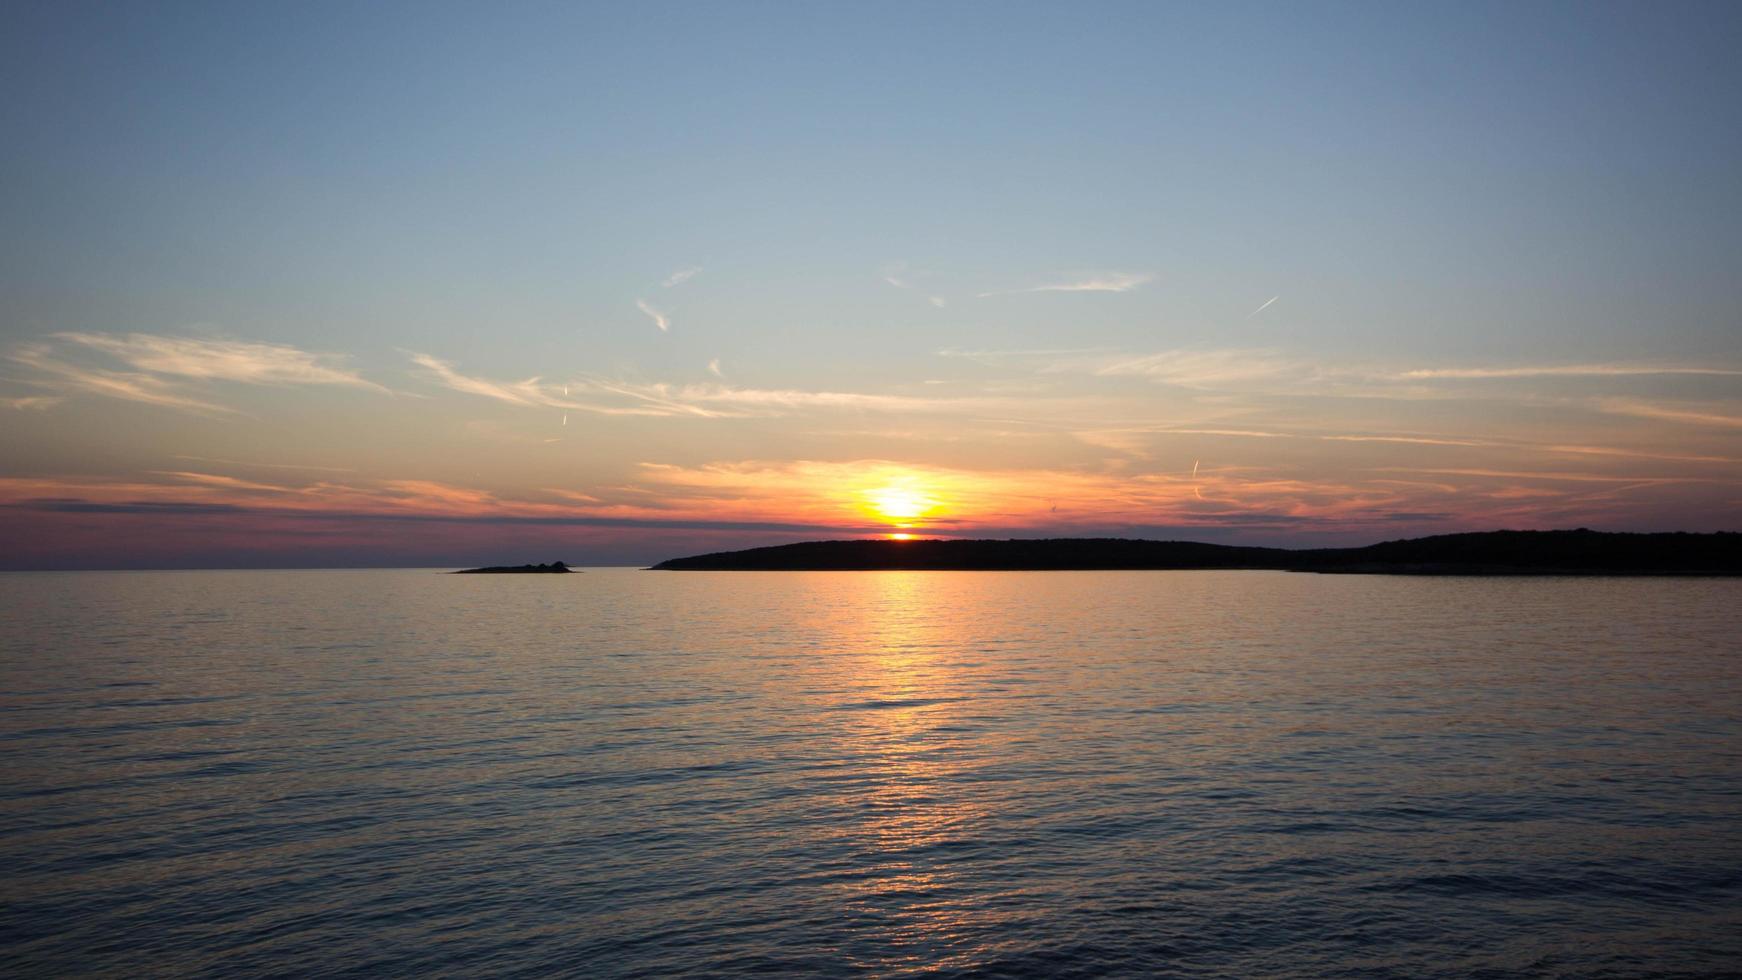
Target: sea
(628, 773)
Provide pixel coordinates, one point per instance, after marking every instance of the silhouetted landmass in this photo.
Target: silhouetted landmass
(555, 566)
(1580, 552)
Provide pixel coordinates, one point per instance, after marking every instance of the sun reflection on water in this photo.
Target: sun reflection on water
(917, 815)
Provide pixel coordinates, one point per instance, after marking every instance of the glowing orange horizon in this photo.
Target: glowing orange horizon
(902, 502)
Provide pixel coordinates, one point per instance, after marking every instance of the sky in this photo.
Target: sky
(421, 284)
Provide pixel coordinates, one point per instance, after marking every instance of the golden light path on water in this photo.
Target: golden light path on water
(921, 801)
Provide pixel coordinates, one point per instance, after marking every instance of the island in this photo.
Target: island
(1575, 552)
(555, 566)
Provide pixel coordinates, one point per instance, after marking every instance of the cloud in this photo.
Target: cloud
(999, 355)
(424, 501)
(573, 495)
(1636, 454)
(158, 370)
(1185, 368)
(660, 320)
(793, 399)
(1102, 282)
(221, 360)
(680, 277)
(134, 386)
(1236, 433)
(159, 508)
(194, 509)
(223, 482)
(1405, 440)
(615, 397)
(897, 274)
(1205, 368)
(271, 466)
(1244, 367)
(1531, 475)
(1648, 410)
(656, 398)
(975, 501)
(32, 403)
(530, 393)
(1135, 440)
(714, 368)
(1566, 371)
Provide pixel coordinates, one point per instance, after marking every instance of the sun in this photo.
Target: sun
(899, 503)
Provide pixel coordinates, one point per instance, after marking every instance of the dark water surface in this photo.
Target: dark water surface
(621, 773)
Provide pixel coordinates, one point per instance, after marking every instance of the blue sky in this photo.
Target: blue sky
(858, 188)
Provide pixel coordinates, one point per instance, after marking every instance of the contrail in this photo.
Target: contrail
(1195, 468)
(1261, 309)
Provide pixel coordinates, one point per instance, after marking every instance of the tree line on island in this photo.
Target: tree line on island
(1578, 552)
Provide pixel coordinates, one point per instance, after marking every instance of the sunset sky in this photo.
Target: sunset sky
(420, 284)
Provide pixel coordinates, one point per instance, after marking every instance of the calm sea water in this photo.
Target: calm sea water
(629, 773)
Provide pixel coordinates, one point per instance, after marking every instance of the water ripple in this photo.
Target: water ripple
(888, 775)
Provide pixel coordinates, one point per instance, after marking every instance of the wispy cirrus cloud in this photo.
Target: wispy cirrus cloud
(1184, 367)
(680, 277)
(1139, 440)
(1566, 371)
(1206, 368)
(247, 362)
(49, 371)
(1265, 371)
(32, 403)
(531, 392)
(993, 356)
(167, 371)
(1643, 454)
(257, 464)
(1097, 282)
(1553, 477)
(782, 400)
(1690, 415)
(898, 275)
(618, 397)
(659, 319)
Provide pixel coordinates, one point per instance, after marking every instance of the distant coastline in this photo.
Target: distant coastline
(1578, 552)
